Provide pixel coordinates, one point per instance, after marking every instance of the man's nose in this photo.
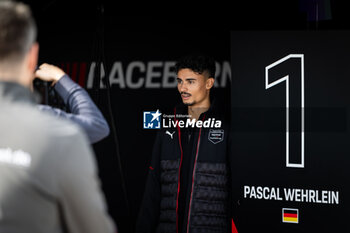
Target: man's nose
(183, 87)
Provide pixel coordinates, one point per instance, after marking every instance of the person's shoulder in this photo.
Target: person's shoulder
(50, 126)
(60, 127)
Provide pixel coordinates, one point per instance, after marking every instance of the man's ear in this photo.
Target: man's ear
(33, 57)
(209, 83)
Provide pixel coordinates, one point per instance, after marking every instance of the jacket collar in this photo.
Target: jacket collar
(14, 92)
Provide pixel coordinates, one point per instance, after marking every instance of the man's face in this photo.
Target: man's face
(193, 87)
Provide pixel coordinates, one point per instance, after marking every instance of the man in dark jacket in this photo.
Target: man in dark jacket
(187, 186)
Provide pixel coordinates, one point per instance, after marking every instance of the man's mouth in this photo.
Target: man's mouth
(185, 95)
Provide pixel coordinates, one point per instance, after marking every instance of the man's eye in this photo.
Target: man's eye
(190, 82)
(179, 81)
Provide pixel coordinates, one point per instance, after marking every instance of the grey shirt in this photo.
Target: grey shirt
(48, 175)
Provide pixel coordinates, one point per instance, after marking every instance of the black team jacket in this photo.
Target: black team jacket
(187, 187)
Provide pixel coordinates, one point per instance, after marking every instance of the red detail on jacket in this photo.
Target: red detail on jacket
(233, 227)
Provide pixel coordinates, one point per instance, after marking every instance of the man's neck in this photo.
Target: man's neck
(197, 110)
(16, 72)
(14, 76)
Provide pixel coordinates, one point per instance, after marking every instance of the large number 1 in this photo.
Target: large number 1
(286, 80)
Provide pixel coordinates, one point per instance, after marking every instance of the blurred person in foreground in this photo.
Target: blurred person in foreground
(48, 175)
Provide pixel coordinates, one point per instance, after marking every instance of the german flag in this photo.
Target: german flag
(290, 215)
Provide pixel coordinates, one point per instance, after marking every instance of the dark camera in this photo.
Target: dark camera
(41, 88)
(48, 95)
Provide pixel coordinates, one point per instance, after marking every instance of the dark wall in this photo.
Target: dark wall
(152, 35)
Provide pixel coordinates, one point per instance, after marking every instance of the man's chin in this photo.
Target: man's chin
(188, 103)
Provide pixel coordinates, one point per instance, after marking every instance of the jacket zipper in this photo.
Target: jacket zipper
(193, 178)
(178, 182)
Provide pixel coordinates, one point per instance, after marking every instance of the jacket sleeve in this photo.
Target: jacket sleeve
(80, 196)
(148, 216)
(83, 110)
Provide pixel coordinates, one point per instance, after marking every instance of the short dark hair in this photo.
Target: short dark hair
(198, 63)
(18, 30)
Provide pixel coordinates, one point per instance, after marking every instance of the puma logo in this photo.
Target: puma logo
(170, 134)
